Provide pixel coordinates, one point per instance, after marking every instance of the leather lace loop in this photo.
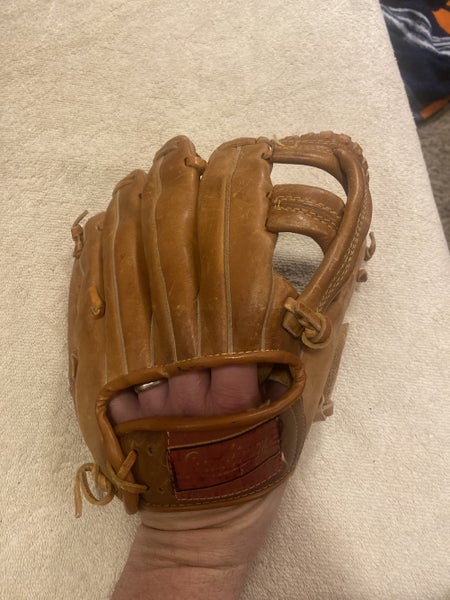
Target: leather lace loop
(313, 327)
(370, 250)
(97, 303)
(117, 480)
(82, 487)
(78, 234)
(197, 163)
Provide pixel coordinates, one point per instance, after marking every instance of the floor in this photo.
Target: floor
(435, 139)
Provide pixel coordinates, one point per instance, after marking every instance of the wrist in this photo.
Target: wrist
(196, 555)
(167, 564)
(182, 583)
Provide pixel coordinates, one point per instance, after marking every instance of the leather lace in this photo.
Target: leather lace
(78, 235)
(315, 327)
(108, 484)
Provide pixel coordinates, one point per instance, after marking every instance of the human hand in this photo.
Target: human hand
(194, 555)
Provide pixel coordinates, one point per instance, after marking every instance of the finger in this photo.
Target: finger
(234, 388)
(183, 395)
(155, 401)
(188, 393)
(223, 390)
(124, 406)
(273, 390)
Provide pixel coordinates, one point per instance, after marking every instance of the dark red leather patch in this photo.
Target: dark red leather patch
(204, 467)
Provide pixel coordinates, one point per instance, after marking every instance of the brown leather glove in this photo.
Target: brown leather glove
(177, 275)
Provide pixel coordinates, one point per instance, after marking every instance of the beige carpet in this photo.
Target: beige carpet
(89, 91)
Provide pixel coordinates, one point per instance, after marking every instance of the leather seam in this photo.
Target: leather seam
(343, 271)
(116, 290)
(328, 223)
(268, 310)
(226, 253)
(160, 269)
(309, 202)
(207, 356)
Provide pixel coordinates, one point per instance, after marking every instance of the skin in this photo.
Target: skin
(196, 555)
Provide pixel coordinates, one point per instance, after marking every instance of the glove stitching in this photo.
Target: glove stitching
(328, 223)
(309, 202)
(343, 270)
(205, 357)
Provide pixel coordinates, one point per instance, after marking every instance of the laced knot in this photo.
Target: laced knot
(113, 481)
(314, 328)
(197, 163)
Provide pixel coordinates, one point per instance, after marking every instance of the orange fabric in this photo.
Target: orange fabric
(443, 17)
(434, 107)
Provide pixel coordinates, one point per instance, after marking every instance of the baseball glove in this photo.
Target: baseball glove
(177, 275)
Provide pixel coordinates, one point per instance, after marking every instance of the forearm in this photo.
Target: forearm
(167, 564)
(196, 555)
(183, 583)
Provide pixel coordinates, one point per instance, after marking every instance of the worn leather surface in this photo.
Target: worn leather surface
(177, 274)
